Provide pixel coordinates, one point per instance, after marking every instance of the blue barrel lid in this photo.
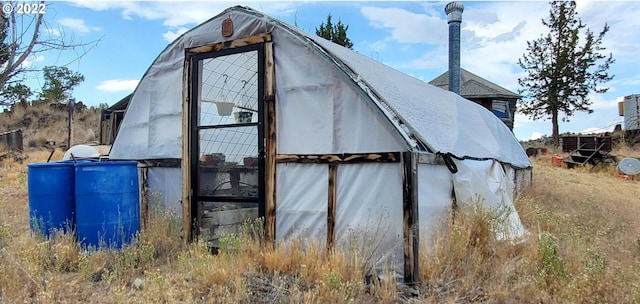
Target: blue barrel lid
(64, 163)
(107, 163)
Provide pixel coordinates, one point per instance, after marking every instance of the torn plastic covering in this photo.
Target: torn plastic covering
(522, 178)
(495, 193)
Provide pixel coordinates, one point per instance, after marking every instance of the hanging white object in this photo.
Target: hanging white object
(629, 166)
(81, 151)
(224, 107)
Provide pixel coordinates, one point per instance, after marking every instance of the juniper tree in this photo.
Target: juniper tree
(59, 82)
(336, 33)
(561, 69)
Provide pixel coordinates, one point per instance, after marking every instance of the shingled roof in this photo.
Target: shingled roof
(474, 86)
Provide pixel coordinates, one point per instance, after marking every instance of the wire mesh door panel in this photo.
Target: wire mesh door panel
(228, 125)
(228, 92)
(228, 162)
(227, 139)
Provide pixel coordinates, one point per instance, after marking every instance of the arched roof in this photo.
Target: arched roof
(425, 116)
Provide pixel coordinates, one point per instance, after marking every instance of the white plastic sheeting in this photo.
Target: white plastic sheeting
(310, 91)
(521, 178)
(319, 111)
(369, 211)
(368, 208)
(359, 105)
(435, 200)
(165, 190)
(446, 122)
(301, 203)
(486, 183)
(152, 125)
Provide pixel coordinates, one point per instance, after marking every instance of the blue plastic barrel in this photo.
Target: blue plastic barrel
(51, 197)
(107, 203)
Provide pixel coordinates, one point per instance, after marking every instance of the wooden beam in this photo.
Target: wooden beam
(186, 153)
(161, 163)
(331, 208)
(270, 145)
(346, 158)
(260, 38)
(144, 200)
(416, 217)
(410, 218)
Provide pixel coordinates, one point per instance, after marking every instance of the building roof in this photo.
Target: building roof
(306, 64)
(474, 86)
(121, 104)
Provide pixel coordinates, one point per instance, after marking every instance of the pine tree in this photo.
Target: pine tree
(336, 33)
(561, 69)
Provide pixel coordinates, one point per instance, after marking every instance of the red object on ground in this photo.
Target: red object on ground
(556, 160)
(624, 176)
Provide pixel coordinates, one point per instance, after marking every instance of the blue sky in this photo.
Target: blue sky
(409, 36)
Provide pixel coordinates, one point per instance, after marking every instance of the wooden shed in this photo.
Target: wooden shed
(110, 120)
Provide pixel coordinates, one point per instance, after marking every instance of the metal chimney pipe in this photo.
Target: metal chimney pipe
(454, 18)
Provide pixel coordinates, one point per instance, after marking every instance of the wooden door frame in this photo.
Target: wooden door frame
(266, 203)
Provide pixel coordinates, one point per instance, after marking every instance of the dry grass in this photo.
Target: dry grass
(583, 247)
(158, 267)
(42, 123)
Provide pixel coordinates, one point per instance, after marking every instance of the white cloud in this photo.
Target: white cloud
(53, 32)
(116, 85)
(172, 35)
(77, 25)
(178, 13)
(593, 130)
(598, 102)
(629, 81)
(406, 26)
(31, 60)
(173, 14)
(376, 46)
(535, 135)
(437, 59)
(495, 33)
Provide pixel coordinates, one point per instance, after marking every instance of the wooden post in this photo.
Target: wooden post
(144, 199)
(270, 144)
(186, 156)
(410, 218)
(70, 105)
(331, 209)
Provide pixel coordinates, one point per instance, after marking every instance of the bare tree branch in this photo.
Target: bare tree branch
(30, 35)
